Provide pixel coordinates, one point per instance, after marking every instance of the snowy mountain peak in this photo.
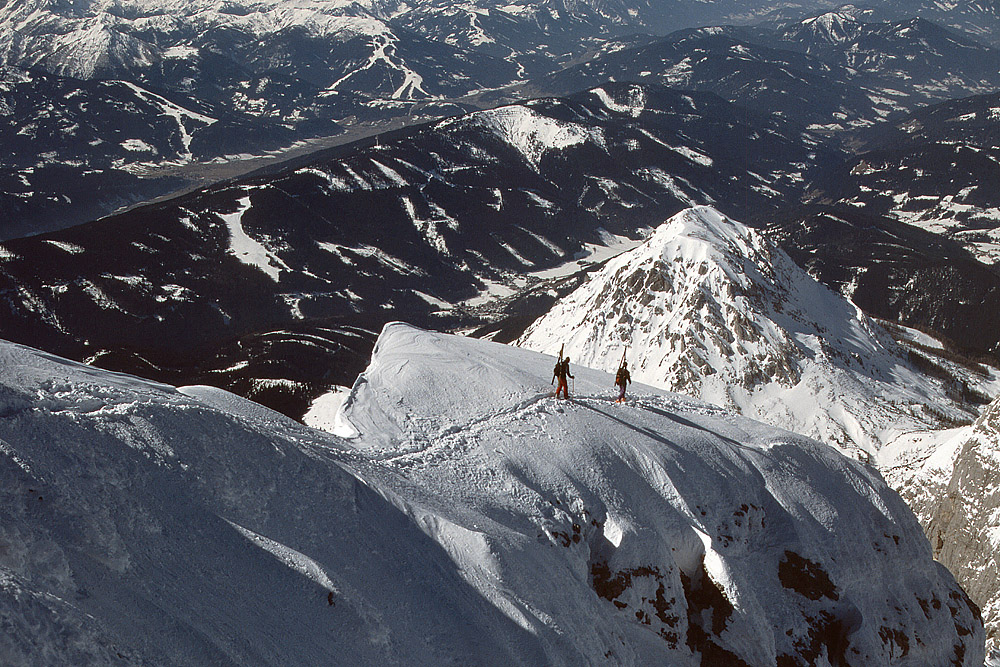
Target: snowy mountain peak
(706, 235)
(709, 307)
(835, 27)
(477, 520)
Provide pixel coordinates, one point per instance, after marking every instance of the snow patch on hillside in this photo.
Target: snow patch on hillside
(71, 248)
(672, 184)
(247, 249)
(633, 105)
(533, 134)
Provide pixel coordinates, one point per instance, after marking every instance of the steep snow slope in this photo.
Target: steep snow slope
(473, 520)
(143, 525)
(710, 308)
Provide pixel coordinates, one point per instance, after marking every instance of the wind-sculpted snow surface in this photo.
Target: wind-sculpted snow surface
(472, 519)
(146, 525)
(710, 308)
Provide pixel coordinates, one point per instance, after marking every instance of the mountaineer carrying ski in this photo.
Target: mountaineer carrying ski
(561, 372)
(621, 379)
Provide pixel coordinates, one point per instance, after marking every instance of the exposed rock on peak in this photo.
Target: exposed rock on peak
(709, 307)
(952, 482)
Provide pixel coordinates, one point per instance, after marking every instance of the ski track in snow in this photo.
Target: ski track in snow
(452, 439)
(246, 248)
(412, 86)
(175, 111)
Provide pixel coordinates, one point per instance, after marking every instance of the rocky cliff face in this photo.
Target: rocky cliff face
(956, 494)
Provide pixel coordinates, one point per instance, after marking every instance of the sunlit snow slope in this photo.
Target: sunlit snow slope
(472, 519)
(710, 308)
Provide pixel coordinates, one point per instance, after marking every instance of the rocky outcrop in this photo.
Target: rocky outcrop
(962, 520)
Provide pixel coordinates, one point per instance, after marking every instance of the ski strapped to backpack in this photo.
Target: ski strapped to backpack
(555, 371)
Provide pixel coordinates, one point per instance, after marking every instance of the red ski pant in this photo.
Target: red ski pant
(562, 386)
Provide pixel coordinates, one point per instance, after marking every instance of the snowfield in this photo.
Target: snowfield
(533, 134)
(471, 519)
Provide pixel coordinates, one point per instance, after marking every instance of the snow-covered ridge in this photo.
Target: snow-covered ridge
(104, 18)
(834, 27)
(493, 524)
(710, 308)
(533, 134)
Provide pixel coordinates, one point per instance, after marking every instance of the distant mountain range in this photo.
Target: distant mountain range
(979, 18)
(277, 74)
(417, 226)
(832, 72)
(208, 88)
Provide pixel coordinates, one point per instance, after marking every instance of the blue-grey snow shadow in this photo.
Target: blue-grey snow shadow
(148, 546)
